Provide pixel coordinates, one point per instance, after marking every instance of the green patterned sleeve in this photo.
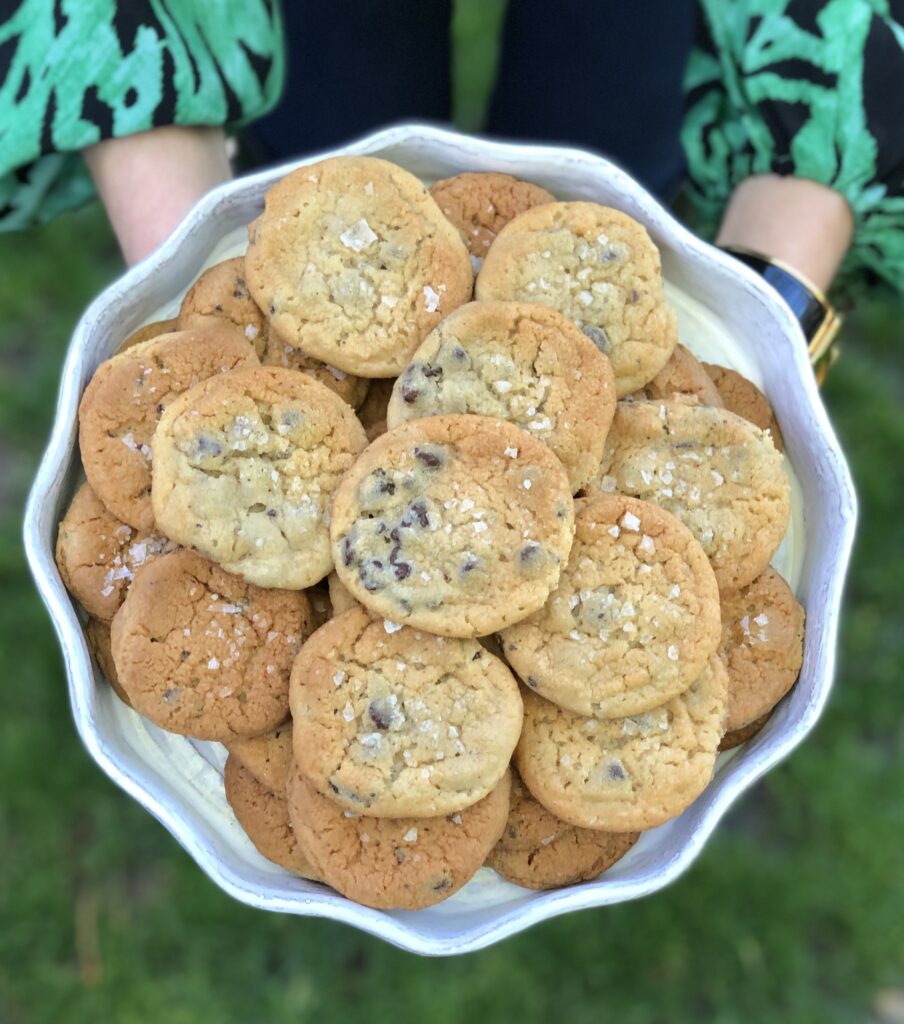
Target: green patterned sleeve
(809, 88)
(75, 72)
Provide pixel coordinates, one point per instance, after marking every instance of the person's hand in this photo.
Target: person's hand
(800, 222)
(150, 180)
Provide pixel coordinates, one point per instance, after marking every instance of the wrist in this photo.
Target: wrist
(801, 223)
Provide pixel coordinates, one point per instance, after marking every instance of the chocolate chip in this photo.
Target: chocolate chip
(599, 338)
(183, 655)
(206, 445)
(532, 682)
(272, 513)
(420, 511)
(394, 535)
(443, 885)
(469, 564)
(529, 552)
(272, 308)
(458, 353)
(409, 394)
(159, 408)
(683, 444)
(477, 655)
(400, 855)
(635, 295)
(608, 256)
(616, 770)
(380, 713)
(402, 570)
(370, 573)
(431, 371)
(348, 552)
(430, 459)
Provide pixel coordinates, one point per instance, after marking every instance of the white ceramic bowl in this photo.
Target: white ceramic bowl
(725, 313)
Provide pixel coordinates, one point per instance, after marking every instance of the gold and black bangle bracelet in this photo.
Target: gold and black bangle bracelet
(815, 314)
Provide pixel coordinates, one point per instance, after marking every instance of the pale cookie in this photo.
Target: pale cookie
(681, 377)
(598, 267)
(481, 203)
(264, 817)
(633, 621)
(125, 399)
(98, 554)
(540, 851)
(455, 524)
(339, 595)
(624, 774)
(519, 362)
(148, 331)
(355, 263)
(221, 294)
(742, 397)
(721, 476)
(738, 736)
(402, 863)
(347, 386)
(245, 466)
(267, 757)
(762, 646)
(397, 723)
(205, 654)
(97, 633)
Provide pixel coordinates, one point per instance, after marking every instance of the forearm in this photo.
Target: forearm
(150, 180)
(806, 225)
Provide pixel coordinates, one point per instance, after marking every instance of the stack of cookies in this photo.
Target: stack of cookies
(460, 572)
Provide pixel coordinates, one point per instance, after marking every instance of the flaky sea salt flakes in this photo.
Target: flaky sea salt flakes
(565, 760)
(476, 263)
(371, 739)
(348, 712)
(389, 300)
(359, 236)
(543, 423)
(761, 620)
(718, 479)
(213, 664)
(675, 591)
(479, 527)
(608, 484)
(369, 188)
(614, 531)
(431, 298)
(456, 819)
(390, 626)
(512, 453)
(410, 836)
(575, 635)
(502, 386)
(672, 652)
(333, 372)
(646, 544)
(526, 485)
(629, 521)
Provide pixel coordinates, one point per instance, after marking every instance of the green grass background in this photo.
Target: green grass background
(794, 912)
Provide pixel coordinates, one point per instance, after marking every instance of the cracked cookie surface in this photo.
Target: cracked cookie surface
(624, 774)
(540, 851)
(520, 362)
(402, 863)
(742, 397)
(683, 376)
(597, 266)
(203, 653)
(393, 722)
(245, 466)
(98, 554)
(347, 386)
(125, 399)
(264, 817)
(717, 473)
(221, 294)
(354, 263)
(455, 524)
(481, 203)
(633, 621)
(762, 646)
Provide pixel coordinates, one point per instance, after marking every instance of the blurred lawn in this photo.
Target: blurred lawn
(795, 911)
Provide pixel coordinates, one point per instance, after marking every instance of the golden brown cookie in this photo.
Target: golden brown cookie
(264, 816)
(98, 554)
(267, 757)
(397, 723)
(633, 621)
(597, 266)
(628, 774)
(405, 863)
(720, 475)
(681, 377)
(520, 362)
(148, 331)
(245, 466)
(221, 295)
(455, 524)
(203, 653)
(347, 386)
(355, 263)
(540, 851)
(340, 597)
(125, 399)
(97, 633)
(762, 646)
(481, 203)
(738, 736)
(742, 397)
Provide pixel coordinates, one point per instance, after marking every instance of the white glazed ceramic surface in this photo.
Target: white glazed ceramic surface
(725, 314)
